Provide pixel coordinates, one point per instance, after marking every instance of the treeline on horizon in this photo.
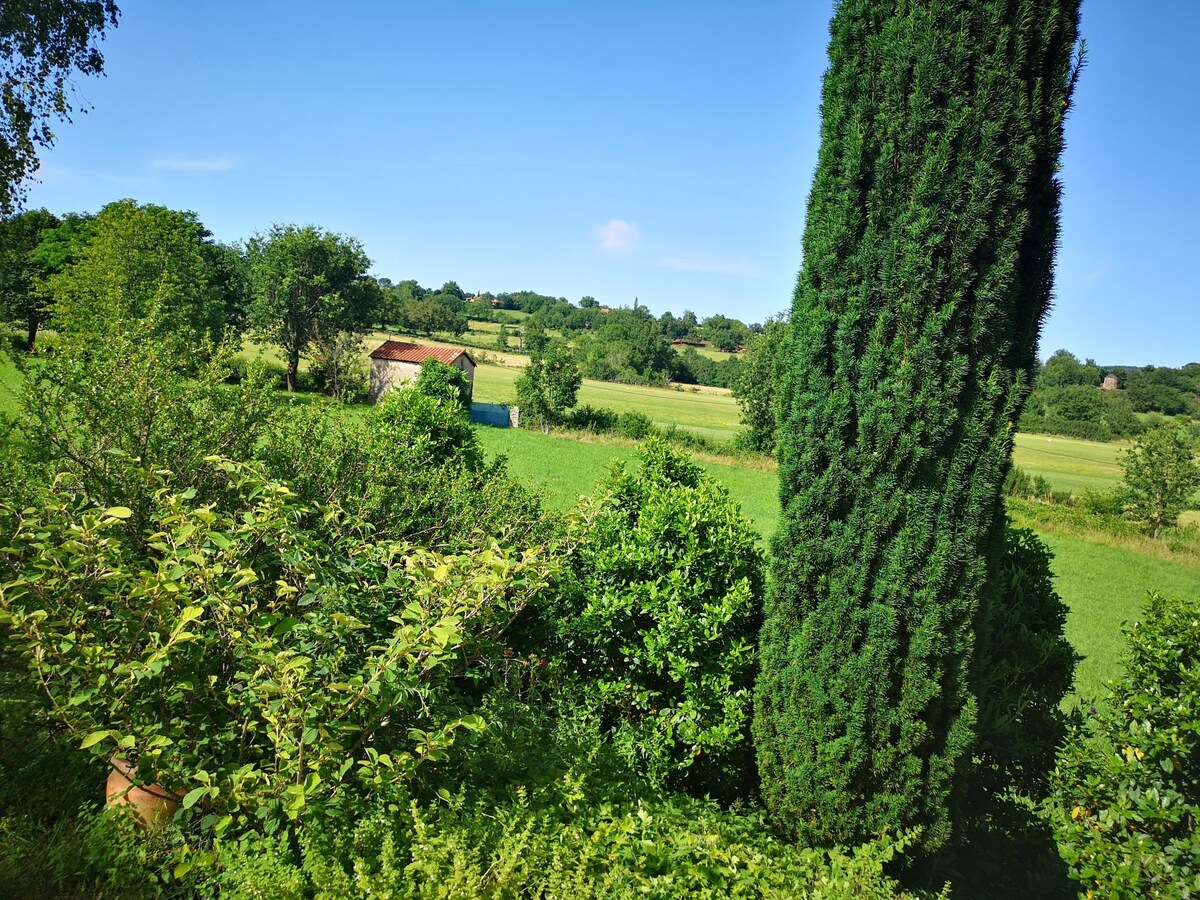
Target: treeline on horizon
(623, 344)
(1069, 399)
(39, 250)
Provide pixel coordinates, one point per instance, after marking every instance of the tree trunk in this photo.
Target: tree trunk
(31, 331)
(293, 365)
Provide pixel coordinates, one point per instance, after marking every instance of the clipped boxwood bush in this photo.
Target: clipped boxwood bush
(655, 624)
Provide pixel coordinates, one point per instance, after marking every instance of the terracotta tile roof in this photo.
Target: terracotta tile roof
(418, 353)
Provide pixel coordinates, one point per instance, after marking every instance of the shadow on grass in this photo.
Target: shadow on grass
(1008, 854)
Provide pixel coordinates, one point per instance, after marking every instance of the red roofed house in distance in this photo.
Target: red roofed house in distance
(395, 363)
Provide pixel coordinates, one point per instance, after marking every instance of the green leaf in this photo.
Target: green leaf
(94, 738)
(190, 614)
(118, 512)
(192, 797)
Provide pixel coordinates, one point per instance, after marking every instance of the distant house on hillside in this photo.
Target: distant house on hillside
(394, 363)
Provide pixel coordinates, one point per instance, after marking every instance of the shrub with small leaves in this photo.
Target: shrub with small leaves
(656, 623)
(446, 383)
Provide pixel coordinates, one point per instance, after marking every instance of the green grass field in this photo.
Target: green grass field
(1069, 464)
(709, 412)
(9, 379)
(1103, 586)
(565, 469)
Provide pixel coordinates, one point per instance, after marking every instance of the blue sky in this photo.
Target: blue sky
(660, 150)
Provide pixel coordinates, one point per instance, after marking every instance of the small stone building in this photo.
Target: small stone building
(394, 363)
(1110, 383)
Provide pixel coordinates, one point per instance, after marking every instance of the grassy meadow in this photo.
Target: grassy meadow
(1070, 464)
(1102, 585)
(709, 412)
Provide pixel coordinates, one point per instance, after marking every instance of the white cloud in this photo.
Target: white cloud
(180, 164)
(618, 236)
(738, 268)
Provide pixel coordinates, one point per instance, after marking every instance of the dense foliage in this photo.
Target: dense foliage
(308, 285)
(629, 347)
(446, 383)
(410, 467)
(928, 254)
(263, 656)
(548, 386)
(656, 618)
(1022, 671)
(1082, 411)
(146, 270)
(756, 385)
(362, 657)
(1127, 785)
(113, 417)
(1067, 398)
(22, 272)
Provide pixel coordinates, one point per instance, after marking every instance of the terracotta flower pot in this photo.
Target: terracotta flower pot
(153, 804)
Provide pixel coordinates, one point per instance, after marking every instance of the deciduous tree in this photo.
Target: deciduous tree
(42, 42)
(22, 273)
(307, 282)
(145, 269)
(755, 388)
(1161, 473)
(548, 386)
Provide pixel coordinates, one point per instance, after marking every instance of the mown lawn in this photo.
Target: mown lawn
(1069, 464)
(9, 379)
(1104, 587)
(565, 469)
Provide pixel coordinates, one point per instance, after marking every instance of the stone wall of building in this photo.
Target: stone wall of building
(387, 374)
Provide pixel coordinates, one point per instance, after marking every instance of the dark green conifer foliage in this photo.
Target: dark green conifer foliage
(928, 252)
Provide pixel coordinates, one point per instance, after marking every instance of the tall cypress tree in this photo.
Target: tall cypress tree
(928, 255)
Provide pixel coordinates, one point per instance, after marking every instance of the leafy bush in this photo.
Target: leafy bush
(1102, 503)
(259, 654)
(1088, 431)
(595, 419)
(336, 366)
(113, 414)
(446, 383)
(1023, 669)
(656, 623)
(634, 424)
(549, 846)
(1160, 474)
(1127, 788)
(1019, 483)
(411, 466)
(89, 855)
(548, 386)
